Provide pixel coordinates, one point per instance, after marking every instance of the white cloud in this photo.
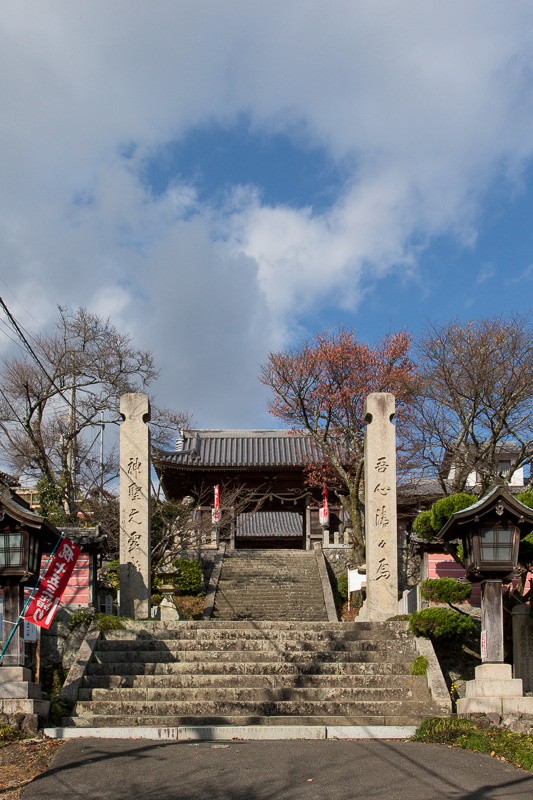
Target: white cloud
(423, 104)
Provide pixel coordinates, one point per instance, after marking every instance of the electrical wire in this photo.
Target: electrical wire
(6, 284)
(16, 327)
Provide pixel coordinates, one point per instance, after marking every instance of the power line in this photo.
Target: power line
(18, 301)
(11, 407)
(32, 352)
(4, 325)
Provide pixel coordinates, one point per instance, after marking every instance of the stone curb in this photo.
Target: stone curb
(77, 671)
(214, 733)
(436, 683)
(213, 583)
(326, 586)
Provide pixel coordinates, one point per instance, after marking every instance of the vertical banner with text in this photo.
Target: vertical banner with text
(53, 583)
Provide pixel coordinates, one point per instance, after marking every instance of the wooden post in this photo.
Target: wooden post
(14, 653)
(492, 621)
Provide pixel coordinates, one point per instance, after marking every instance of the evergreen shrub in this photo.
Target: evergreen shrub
(442, 510)
(191, 578)
(342, 586)
(422, 525)
(445, 590)
(441, 623)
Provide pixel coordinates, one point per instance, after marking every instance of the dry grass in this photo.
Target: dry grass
(189, 607)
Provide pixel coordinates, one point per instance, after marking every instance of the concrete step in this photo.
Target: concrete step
(299, 708)
(255, 645)
(243, 629)
(241, 667)
(415, 683)
(255, 694)
(264, 585)
(154, 628)
(108, 721)
(253, 656)
(250, 672)
(280, 632)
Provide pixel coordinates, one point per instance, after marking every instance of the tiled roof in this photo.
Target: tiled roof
(8, 480)
(269, 523)
(239, 448)
(87, 537)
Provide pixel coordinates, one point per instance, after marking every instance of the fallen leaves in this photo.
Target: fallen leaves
(22, 761)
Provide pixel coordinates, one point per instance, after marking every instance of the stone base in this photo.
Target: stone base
(378, 615)
(493, 685)
(168, 611)
(14, 674)
(20, 699)
(494, 694)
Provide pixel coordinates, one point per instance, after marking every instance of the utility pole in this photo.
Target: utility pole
(72, 444)
(102, 427)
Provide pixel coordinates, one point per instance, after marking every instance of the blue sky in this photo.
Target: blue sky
(224, 179)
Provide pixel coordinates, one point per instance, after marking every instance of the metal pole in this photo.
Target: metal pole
(102, 427)
(28, 601)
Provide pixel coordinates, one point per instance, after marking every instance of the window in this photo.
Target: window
(496, 544)
(11, 549)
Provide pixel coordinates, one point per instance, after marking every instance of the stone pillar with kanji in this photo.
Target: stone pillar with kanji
(135, 506)
(380, 509)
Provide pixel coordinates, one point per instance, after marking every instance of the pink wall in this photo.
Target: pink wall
(442, 565)
(77, 590)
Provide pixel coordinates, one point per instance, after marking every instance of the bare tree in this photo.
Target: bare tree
(50, 405)
(186, 524)
(474, 412)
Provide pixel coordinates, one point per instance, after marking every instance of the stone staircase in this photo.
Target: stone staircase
(270, 585)
(253, 673)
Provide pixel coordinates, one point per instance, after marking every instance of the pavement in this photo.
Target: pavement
(120, 769)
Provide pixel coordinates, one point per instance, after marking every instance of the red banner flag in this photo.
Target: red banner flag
(326, 508)
(217, 498)
(50, 589)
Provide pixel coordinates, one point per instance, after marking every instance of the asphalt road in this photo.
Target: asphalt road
(337, 770)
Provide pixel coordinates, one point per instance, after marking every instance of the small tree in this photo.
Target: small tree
(320, 388)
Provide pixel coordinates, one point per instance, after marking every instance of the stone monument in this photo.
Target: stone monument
(380, 509)
(523, 646)
(135, 506)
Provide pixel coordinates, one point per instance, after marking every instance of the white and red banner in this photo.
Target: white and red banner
(53, 583)
(324, 511)
(215, 512)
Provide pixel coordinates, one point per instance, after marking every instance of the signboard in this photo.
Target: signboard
(355, 580)
(483, 645)
(109, 604)
(29, 633)
(50, 588)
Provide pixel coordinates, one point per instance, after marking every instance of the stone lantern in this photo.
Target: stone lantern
(490, 531)
(23, 536)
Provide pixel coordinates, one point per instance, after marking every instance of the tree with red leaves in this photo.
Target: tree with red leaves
(321, 388)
